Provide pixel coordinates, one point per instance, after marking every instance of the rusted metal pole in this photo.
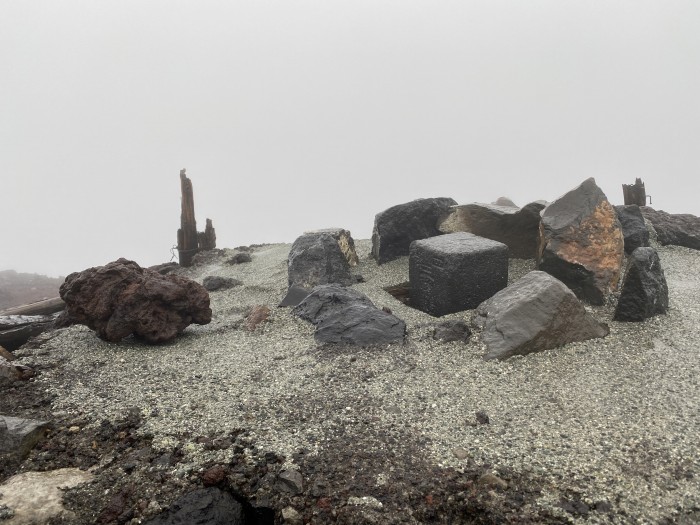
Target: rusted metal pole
(635, 193)
(187, 234)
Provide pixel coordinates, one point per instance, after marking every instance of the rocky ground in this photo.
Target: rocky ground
(604, 431)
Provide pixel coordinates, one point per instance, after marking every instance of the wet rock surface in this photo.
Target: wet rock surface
(397, 227)
(538, 312)
(121, 298)
(679, 229)
(581, 242)
(644, 289)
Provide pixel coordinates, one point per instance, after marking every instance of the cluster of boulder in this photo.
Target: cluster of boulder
(458, 260)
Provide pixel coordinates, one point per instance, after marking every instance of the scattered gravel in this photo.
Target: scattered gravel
(608, 428)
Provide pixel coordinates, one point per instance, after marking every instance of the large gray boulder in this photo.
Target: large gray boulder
(455, 272)
(316, 258)
(581, 243)
(397, 227)
(536, 313)
(344, 315)
(517, 228)
(679, 229)
(634, 229)
(644, 289)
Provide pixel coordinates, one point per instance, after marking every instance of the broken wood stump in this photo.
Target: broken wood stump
(189, 241)
(634, 193)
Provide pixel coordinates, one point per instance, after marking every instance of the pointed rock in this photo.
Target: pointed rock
(644, 290)
(536, 313)
(581, 243)
(634, 229)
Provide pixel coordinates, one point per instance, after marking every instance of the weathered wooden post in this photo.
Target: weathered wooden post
(207, 238)
(635, 193)
(187, 234)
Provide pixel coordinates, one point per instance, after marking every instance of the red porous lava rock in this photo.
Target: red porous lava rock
(121, 298)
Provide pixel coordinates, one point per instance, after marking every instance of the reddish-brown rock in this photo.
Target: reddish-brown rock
(581, 242)
(258, 314)
(122, 298)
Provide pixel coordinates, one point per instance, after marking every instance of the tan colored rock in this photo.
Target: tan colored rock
(37, 497)
(6, 354)
(581, 243)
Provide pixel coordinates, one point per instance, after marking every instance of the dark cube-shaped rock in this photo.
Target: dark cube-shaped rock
(455, 272)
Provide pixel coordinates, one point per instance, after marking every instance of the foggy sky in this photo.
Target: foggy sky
(296, 115)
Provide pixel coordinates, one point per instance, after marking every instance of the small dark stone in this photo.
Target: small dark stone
(240, 258)
(213, 475)
(449, 331)
(208, 506)
(215, 282)
(482, 418)
(290, 481)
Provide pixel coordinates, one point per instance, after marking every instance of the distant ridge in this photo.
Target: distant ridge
(22, 288)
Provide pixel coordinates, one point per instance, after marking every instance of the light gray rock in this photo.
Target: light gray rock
(455, 272)
(536, 313)
(644, 290)
(517, 228)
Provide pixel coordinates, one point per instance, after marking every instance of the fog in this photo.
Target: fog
(296, 115)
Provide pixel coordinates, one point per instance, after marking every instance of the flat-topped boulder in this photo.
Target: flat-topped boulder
(517, 228)
(536, 313)
(347, 316)
(678, 229)
(455, 272)
(581, 243)
(397, 227)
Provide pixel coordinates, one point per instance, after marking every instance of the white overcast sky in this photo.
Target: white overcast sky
(296, 115)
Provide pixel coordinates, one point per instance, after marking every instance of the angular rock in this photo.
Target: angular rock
(213, 283)
(536, 313)
(449, 331)
(316, 258)
(294, 296)
(208, 506)
(455, 272)
(343, 315)
(397, 227)
(345, 243)
(517, 228)
(678, 229)
(37, 497)
(581, 243)
(634, 229)
(6, 354)
(8, 372)
(19, 436)
(121, 298)
(290, 480)
(644, 289)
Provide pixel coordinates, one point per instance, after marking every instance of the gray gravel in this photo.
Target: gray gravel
(614, 419)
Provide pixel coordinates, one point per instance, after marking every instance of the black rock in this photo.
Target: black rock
(535, 313)
(315, 259)
(343, 315)
(634, 229)
(18, 436)
(397, 227)
(681, 229)
(455, 272)
(209, 506)
(449, 331)
(215, 282)
(644, 290)
(240, 258)
(295, 295)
